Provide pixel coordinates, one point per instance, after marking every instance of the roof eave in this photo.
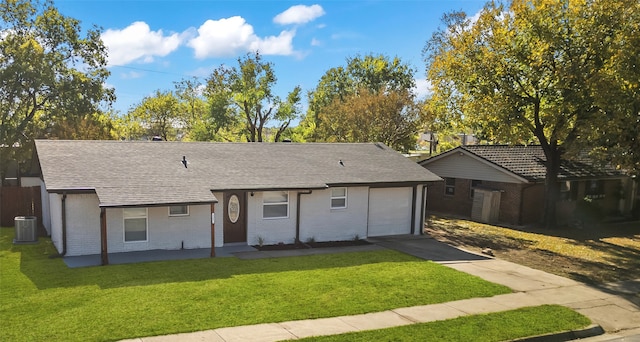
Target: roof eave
(463, 150)
(151, 205)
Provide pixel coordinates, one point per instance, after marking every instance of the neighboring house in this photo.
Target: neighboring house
(497, 183)
(104, 197)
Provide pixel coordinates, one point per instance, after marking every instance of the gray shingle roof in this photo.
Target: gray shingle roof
(528, 162)
(141, 172)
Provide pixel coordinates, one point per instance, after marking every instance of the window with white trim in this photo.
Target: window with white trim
(566, 188)
(595, 189)
(275, 204)
(135, 224)
(338, 198)
(179, 210)
(449, 186)
(474, 183)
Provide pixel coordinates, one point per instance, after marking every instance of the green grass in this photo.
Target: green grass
(499, 326)
(43, 300)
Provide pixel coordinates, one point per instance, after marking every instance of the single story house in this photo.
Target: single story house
(104, 197)
(499, 183)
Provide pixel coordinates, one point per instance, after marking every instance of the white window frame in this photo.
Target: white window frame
(446, 186)
(334, 197)
(472, 186)
(124, 224)
(175, 206)
(275, 204)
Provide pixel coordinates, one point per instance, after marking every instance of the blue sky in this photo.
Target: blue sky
(153, 43)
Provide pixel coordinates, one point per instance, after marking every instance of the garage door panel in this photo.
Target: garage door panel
(389, 211)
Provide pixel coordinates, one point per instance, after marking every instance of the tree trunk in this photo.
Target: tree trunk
(552, 154)
(260, 133)
(281, 130)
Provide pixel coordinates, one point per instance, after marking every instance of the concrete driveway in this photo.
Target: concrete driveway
(425, 247)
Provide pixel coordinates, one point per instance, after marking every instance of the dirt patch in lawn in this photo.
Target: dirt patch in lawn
(305, 245)
(599, 254)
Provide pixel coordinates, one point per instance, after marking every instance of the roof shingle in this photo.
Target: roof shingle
(136, 173)
(529, 162)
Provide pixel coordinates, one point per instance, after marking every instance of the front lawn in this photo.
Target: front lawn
(43, 300)
(498, 326)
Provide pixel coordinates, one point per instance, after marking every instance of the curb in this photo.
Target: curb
(590, 331)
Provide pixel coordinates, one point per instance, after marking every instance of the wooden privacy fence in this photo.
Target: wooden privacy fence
(18, 201)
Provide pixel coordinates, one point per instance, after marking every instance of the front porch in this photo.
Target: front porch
(155, 255)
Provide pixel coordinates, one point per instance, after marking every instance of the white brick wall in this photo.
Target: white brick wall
(273, 231)
(390, 214)
(320, 222)
(163, 232)
(55, 209)
(83, 224)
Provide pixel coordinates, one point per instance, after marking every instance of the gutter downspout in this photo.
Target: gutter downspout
(64, 224)
(308, 192)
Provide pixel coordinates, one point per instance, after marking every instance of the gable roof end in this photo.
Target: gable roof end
(528, 162)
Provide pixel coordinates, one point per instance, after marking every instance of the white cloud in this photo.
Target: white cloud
(131, 75)
(423, 88)
(315, 42)
(201, 72)
(280, 45)
(299, 14)
(138, 42)
(346, 35)
(229, 36)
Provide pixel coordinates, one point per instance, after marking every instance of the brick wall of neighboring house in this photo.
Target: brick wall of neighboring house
(607, 201)
(614, 192)
(532, 204)
(458, 204)
(522, 204)
(565, 212)
(509, 201)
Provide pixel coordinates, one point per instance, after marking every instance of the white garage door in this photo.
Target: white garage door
(389, 211)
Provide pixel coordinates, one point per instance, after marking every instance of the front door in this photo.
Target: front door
(235, 216)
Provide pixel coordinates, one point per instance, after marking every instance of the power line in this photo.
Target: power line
(155, 71)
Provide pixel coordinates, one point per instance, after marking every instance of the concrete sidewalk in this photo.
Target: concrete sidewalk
(531, 288)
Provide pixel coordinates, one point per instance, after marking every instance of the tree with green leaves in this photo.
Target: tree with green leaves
(370, 78)
(391, 118)
(244, 94)
(49, 70)
(93, 126)
(615, 136)
(191, 101)
(531, 72)
(159, 115)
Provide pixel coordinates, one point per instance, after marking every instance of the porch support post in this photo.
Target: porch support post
(413, 209)
(213, 230)
(103, 237)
